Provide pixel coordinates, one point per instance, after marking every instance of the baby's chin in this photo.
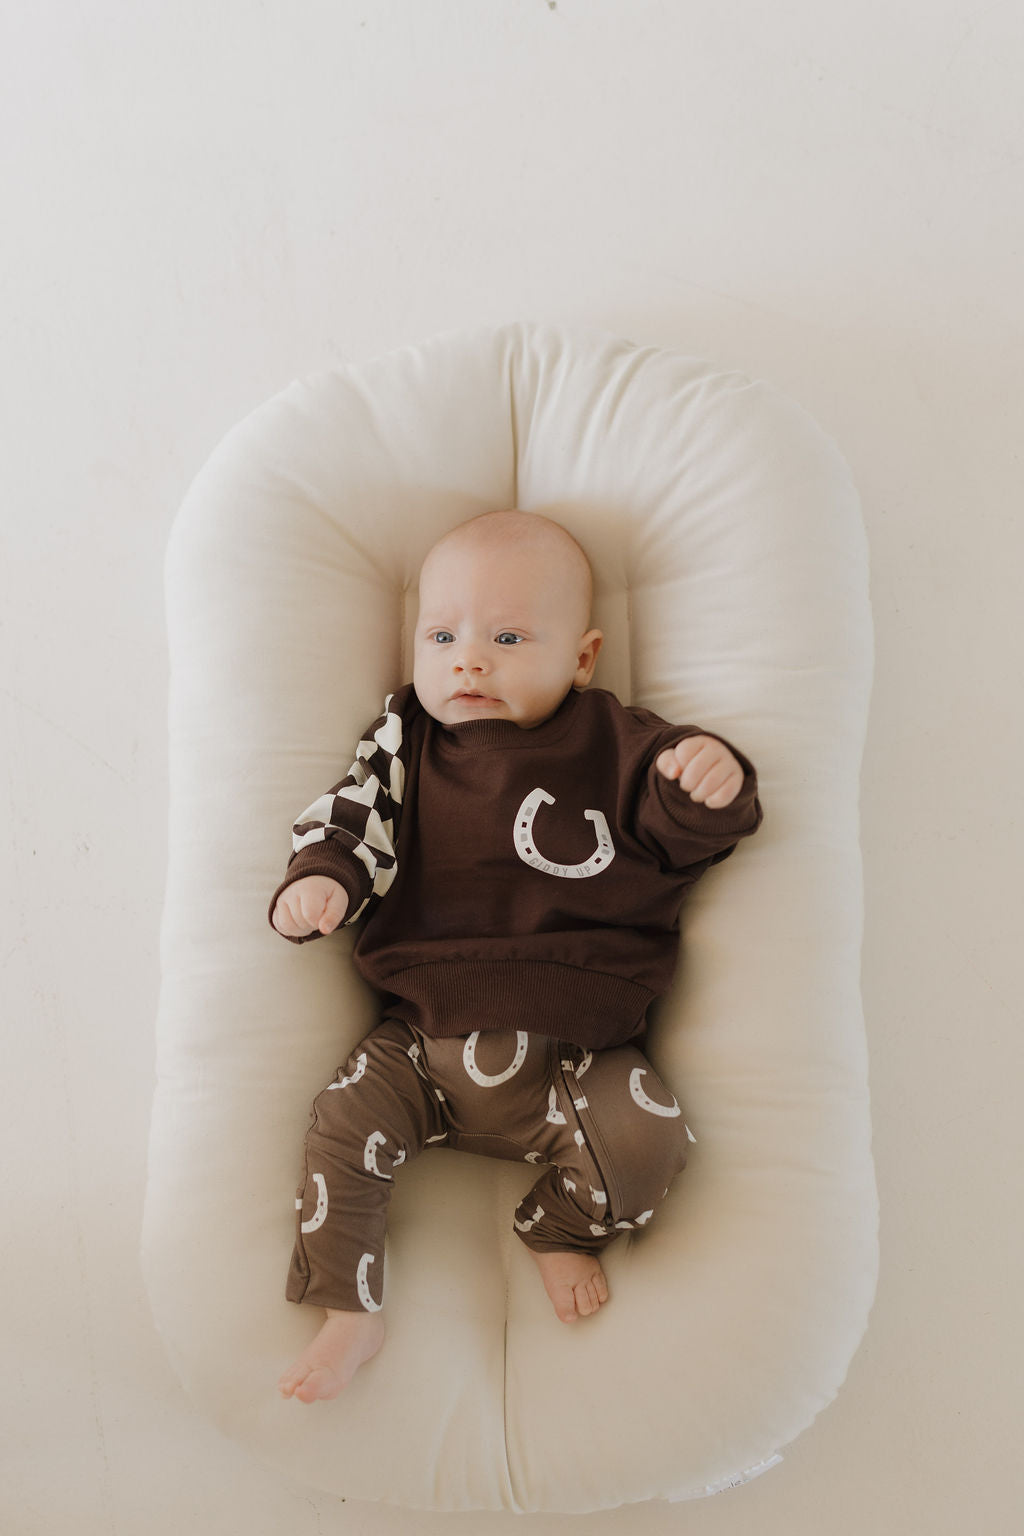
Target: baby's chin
(459, 710)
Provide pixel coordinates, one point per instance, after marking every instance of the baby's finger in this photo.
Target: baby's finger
(667, 764)
(674, 760)
(715, 780)
(284, 921)
(334, 911)
(698, 767)
(311, 904)
(718, 799)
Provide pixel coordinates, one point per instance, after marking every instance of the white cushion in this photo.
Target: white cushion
(732, 586)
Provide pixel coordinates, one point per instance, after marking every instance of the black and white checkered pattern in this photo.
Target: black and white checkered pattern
(363, 810)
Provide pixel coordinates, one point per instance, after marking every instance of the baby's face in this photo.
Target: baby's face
(500, 634)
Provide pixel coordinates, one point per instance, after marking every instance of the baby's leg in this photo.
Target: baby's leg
(497, 1086)
(379, 1111)
(619, 1142)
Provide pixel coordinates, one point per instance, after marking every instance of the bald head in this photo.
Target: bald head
(533, 541)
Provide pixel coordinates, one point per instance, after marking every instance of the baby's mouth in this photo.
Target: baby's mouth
(469, 696)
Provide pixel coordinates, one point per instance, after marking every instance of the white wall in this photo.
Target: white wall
(201, 202)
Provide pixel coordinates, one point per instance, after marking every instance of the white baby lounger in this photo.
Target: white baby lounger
(732, 587)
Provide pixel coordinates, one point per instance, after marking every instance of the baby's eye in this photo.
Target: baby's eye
(508, 637)
(443, 637)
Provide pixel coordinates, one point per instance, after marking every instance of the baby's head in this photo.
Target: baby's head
(503, 630)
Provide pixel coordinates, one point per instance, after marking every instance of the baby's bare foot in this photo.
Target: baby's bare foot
(575, 1282)
(345, 1342)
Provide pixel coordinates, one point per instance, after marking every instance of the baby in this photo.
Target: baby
(518, 847)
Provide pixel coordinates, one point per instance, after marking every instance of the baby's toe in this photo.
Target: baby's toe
(587, 1299)
(289, 1381)
(591, 1295)
(565, 1303)
(320, 1382)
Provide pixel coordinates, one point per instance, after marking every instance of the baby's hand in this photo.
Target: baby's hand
(705, 768)
(312, 903)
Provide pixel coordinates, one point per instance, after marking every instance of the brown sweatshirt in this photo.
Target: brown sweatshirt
(517, 879)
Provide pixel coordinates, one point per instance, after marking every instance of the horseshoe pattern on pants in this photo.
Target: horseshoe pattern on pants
(373, 1141)
(346, 1082)
(486, 1081)
(361, 1284)
(554, 1114)
(641, 1098)
(531, 1221)
(319, 1216)
(526, 845)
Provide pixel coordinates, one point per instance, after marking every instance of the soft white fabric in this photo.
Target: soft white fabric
(732, 586)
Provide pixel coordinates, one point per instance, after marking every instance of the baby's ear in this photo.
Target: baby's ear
(586, 658)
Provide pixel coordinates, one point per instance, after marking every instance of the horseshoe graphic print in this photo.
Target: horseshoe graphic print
(531, 1221)
(373, 1141)
(361, 1284)
(346, 1082)
(554, 1114)
(319, 1216)
(526, 845)
(641, 1098)
(486, 1081)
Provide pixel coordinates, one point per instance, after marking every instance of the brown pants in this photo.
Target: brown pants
(608, 1133)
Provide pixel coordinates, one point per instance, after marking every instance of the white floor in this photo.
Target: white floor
(201, 202)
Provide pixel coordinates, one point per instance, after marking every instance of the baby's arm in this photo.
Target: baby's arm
(313, 904)
(348, 837)
(697, 799)
(705, 768)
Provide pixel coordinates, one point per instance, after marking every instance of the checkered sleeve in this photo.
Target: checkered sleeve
(351, 832)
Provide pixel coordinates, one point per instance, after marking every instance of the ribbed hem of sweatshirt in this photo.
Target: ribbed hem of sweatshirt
(453, 998)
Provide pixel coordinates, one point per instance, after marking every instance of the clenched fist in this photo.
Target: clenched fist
(705, 768)
(314, 903)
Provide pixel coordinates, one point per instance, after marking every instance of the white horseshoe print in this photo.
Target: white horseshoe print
(526, 846)
(641, 1098)
(554, 1114)
(567, 1066)
(361, 1285)
(524, 1226)
(373, 1141)
(414, 1056)
(486, 1081)
(347, 1082)
(627, 1226)
(319, 1216)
